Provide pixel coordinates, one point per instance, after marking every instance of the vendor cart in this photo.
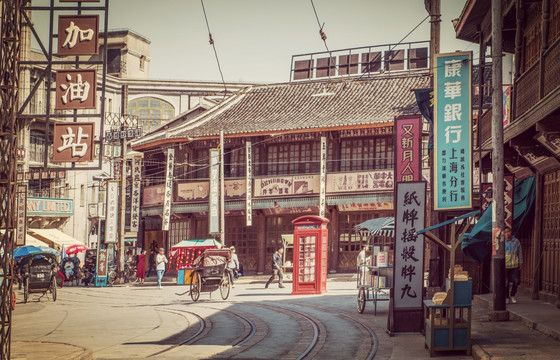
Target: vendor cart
(374, 284)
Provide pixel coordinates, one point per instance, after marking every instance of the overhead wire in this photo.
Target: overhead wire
(211, 41)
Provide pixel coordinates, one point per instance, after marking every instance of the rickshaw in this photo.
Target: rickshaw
(211, 273)
(38, 272)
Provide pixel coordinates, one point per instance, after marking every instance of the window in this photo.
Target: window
(234, 162)
(350, 240)
(151, 112)
(142, 62)
(366, 154)
(36, 146)
(243, 237)
(82, 195)
(202, 164)
(179, 231)
(294, 158)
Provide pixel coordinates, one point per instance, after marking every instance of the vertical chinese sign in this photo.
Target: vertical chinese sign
(408, 276)
(168, 195)
(452, 132)
(111, 216)
(249, 184)
(323, 178)
(214, 206)
(21, 228)
(135, 198)
(408, 149)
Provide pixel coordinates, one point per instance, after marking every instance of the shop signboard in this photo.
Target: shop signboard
(111, 223)
(323, 178)
(72, 142)
(408, 148)
(21, 206)
(78, 35)
(286, 185)
(168, 195)
(453, 132)
(153, 195)
(249, 184)
(410, 205)
(76, 89)
(39, 206)
(381, 180)
(135, 196)
(214, 205)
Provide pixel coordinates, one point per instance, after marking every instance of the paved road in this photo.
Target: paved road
(253, 323)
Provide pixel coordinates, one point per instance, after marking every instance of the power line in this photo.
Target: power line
(211, 40)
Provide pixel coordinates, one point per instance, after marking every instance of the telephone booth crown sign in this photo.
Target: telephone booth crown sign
(310, 255)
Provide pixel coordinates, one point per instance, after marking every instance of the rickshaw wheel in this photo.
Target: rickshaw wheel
(225, 286)
(53, 288)
(196, 283)
(25, 290)
(361, 300)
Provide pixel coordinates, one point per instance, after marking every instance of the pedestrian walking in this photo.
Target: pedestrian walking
(161, 260)
(141, 267)
(514, 259)
(151, 263)
(233, 266)
(276, 268)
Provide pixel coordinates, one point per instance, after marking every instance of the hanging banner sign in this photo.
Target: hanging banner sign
(135, 195)
(408, 149)
(323, 178)
(111, 224)
(410, 208)
(214, 206)
(168, 195)
(21, 206)
(452, 131)
(249, 184)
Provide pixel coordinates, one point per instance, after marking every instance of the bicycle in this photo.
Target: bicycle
(128, 275)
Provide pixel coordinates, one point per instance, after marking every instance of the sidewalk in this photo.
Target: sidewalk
(533, 331)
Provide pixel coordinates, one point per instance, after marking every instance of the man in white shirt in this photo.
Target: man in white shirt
(161, 260)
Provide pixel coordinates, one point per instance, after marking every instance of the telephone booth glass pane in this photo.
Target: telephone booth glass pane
(307, 258)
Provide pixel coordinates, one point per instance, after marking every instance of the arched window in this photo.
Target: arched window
(151, 112)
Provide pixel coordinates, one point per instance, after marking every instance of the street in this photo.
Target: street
(253, 323)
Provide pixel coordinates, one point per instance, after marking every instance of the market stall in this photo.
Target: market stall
(184, 253)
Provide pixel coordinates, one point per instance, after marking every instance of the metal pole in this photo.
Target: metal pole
(498, 260)
(124, 103)
(222, 190)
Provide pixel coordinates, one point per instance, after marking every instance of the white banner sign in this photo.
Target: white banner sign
(213, 214)
(168, 195)
(135, 195)
(111, 222)
(249, 185)
(409, 247)
(323, 176)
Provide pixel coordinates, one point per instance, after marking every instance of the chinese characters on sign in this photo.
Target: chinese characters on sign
(73, 142)
(368, 181)
(111, 217)
(323, 177)
(168, 195)
(135, 196)
(21, 227)
(78, 35)
(409, 247)
(452, 132)
(213, 214)
(408, 149)
(76, 89)
(249, 184)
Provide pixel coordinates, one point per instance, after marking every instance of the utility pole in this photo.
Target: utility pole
(122, 217)
(498, 258)
(222, 191)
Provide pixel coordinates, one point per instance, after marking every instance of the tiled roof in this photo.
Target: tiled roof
(301, 106)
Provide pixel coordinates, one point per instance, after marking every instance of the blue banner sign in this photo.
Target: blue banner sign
(453, 131)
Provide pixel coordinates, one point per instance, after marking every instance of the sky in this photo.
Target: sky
(255, 39)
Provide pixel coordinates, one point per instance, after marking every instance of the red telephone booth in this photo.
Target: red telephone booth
(310, 255)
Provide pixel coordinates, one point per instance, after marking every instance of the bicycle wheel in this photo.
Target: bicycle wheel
(113, 277)
(53, 288)
(131, 275)
(25, 290)
(196, 285)
(225, 286)
(361, 300)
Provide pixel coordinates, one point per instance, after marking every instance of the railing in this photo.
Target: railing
(527, 89)
(551, 68)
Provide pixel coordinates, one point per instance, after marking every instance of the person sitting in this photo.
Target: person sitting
(68, 269)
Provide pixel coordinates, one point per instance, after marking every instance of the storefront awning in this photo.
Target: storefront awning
(54, 238)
